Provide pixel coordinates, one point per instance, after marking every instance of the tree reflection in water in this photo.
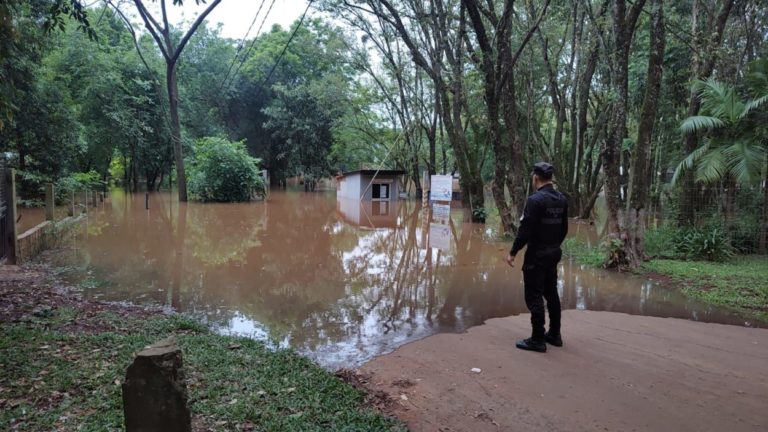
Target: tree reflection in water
(338, 282)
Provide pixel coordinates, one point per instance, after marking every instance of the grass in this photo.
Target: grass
(582, 253)
(56, 374)
(741, 284)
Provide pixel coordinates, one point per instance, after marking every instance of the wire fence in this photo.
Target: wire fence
(738, 212)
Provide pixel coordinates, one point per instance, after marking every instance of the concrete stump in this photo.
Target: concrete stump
(154, 392)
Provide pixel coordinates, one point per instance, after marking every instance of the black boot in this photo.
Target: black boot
(555, 340)
(531, 344)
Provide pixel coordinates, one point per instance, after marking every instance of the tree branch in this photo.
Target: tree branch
(192, 30)
(529, 34)
(147, 18)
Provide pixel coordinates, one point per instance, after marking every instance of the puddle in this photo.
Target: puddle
(338, 281)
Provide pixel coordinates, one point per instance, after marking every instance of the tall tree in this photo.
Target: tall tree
(497, 62)
(640, 183)
(623, 27)
(171, 51)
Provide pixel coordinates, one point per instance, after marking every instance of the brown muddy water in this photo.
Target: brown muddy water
(338, 281)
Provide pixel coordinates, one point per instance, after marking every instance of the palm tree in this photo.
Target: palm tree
(735, 147)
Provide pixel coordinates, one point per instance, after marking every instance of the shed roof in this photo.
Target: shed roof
(372, 172)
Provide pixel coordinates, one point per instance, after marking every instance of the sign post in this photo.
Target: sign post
(441, 188)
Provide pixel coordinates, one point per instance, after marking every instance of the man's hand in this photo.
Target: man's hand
(511, 260)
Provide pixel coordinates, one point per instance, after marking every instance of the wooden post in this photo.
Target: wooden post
(11, 240)
(85, 195)
(50, 205)
(71, 209)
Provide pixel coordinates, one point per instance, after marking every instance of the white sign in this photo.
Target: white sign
(441, 212)
(441, 187)
(440, 236)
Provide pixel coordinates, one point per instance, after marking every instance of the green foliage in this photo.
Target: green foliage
(734, 143)
(614, 253)
(708, 243)
(479, 214)
(660, 242)
(31, 184)
(78, 181)
(294, 119)
(744, 232)
(583, 253)
(223, 171)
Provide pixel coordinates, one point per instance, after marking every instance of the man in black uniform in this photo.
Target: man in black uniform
(543, 228)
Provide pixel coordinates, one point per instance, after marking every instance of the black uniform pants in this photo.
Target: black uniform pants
(541, 283)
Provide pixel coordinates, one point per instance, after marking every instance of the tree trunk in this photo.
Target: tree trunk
(639, 182)
(623, 29)
(135, 174)
(22, 159)
(488, 63)
(432, 135)
(516, 176)
(173, 105)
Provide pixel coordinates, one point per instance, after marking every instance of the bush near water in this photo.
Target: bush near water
(223, 171)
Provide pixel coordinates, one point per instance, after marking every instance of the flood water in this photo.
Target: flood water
(338, 281)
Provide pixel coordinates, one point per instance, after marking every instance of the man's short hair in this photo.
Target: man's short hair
(544, 171)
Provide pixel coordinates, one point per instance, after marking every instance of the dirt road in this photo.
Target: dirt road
(616, 372)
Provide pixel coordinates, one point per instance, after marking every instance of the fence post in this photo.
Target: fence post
(85, 195)
(71, 209)
(50, 205)
(11, 240)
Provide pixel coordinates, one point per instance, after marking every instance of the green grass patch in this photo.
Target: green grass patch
(56, 374)
(741, 284)
(582, 253)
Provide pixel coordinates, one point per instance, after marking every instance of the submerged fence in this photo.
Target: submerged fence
(59, 220)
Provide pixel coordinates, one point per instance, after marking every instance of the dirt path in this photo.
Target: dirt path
(616, 372)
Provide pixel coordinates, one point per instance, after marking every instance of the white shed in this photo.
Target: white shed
(362, 185)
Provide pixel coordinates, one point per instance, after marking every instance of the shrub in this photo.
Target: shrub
(660, 242)
(616, 255)
(708, 243)
(223, 171)
(744, 232)
(479, 214)
(77, 182)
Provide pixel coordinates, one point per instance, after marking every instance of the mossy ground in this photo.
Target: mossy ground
(62, 361)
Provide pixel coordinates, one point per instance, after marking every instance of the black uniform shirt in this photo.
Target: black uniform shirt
(543, 228)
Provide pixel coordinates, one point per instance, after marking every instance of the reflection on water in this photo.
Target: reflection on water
(339, 281)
